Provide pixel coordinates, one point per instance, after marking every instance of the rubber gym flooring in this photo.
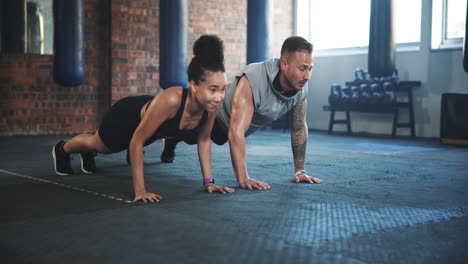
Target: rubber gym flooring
(383, 201)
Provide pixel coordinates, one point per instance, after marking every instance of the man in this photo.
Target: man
(260, 94)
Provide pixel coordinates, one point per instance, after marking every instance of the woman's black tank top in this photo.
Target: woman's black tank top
(170, 127)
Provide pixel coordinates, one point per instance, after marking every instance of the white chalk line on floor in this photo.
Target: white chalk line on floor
(66, 186)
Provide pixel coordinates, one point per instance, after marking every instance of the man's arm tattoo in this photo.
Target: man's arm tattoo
(299, 134)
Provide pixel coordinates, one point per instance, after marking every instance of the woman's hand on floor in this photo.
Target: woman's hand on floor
(147, 197)
(211, 187)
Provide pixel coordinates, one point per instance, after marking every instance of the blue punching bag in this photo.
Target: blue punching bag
(69, 41)
(465, 46)
(381, 55)
(259, 22)
(173, 43)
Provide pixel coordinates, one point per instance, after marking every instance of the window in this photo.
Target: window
(344, 24)
(407, 21)
(334, 24)
(26, 26)
(448, 23)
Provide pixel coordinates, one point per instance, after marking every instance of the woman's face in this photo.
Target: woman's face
(210, 92)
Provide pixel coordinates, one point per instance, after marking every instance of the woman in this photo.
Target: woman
(137, 121)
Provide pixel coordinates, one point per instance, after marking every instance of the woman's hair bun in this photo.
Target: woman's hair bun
(209, 56)
(209, 49)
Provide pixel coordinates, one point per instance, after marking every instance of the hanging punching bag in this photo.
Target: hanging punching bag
(381, 58)
(173, 43)
(259, 22)
(69, 42)
(465, 46)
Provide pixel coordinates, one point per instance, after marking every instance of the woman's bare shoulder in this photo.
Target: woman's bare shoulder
(170, 97)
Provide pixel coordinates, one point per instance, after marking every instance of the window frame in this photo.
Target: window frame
(439, 39)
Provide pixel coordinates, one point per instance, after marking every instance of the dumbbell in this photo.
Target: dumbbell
(366, 94)
(377, 94)
(356, 95)
(377, 80)
(346, 95)
(386, 79)
(334, 98)
(360, 76)
(389, 94)
(395, 76)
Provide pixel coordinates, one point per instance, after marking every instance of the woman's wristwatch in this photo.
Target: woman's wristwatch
(209, 180)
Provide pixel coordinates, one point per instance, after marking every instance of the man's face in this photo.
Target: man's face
(297, 68)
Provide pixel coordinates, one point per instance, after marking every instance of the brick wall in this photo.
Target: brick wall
(228, 20)
(135, 48)
(282, 23)
(31, 103)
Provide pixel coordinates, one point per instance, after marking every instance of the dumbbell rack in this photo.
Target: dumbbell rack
(404, 87)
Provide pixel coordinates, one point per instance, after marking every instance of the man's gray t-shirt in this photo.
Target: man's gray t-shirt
(269, 104)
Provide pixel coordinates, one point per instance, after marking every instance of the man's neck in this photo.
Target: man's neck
(281, 85)
(286, 88)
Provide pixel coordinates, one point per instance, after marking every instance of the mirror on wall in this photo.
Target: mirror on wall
(26, 26)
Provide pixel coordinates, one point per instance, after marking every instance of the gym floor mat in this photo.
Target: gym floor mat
(383, 201)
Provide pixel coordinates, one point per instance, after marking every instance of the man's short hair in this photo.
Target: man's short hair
(296, 43)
